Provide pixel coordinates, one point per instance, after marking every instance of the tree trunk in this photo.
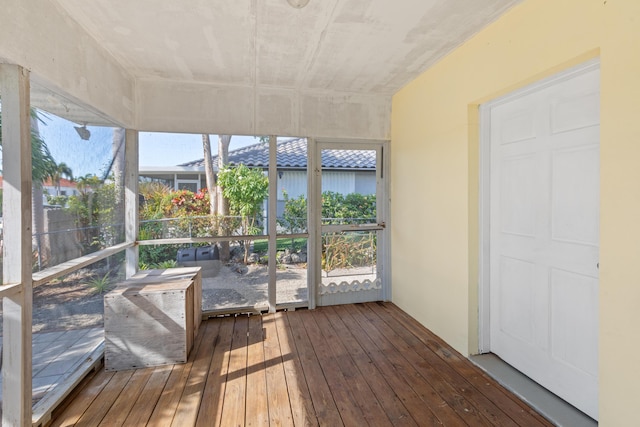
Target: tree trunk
(37, 211)
(247, 243)
(208, 170)
(118, 153)
(223, 203)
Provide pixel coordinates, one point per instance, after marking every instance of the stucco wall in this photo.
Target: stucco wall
(434, 184)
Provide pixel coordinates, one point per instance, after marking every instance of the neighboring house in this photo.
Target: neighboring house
(67, 188)
(344, 171)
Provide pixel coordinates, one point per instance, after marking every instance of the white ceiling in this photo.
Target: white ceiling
(353, 46)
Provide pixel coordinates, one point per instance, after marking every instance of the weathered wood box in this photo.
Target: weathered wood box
(171, 274)
(151, 320)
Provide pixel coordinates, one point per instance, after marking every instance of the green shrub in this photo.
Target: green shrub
(172, 263)
(57, 200)
(354, 207)
(157, 254)
(100, 284)
(294, 217)
(246, 189)
(336, 209)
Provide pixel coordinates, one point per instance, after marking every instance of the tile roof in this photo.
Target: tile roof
(64, 183)
(292, 154)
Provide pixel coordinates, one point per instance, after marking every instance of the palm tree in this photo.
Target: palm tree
(61, 170)
(42, 167)
(42, 163)
(87, 183)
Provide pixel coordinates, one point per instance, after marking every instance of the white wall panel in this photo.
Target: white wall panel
(165, 105)
(339, 182)
(365, 182)
(294, 183)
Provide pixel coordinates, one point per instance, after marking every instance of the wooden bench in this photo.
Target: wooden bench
(152, 318)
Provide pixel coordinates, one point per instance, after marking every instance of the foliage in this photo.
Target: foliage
(294, 217)
(151, 255)
(246, 189)
(167, 213)
(354, 207)
(339, 250)
(96, 213)
(59, 171)
(42, 163)
(171, 263)
(191, 219)
(100, 284)
(260, 246)
(346, 250)
(57, 200)
(190, 210)
(86, 183)
(150, 189)
(186, 203)
(336, 209)
(157, 200)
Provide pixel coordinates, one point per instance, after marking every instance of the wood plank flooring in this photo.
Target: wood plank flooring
(355, 365)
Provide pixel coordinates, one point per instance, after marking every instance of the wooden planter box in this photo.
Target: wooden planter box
(152, 319)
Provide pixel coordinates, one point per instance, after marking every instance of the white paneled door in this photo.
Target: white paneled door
(544, 234)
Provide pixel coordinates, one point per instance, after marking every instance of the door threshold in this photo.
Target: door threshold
(539, 398)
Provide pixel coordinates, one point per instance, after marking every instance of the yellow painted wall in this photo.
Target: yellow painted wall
(434, 183)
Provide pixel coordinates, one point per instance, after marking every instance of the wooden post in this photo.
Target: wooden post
(384, 242)
(16, 167)
(131, 200)
(314, 214)
(272, 224)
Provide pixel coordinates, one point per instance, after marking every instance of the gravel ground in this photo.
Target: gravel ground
(246, 286)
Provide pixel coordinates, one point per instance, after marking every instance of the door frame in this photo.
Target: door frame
(382, 209)
(484, 197)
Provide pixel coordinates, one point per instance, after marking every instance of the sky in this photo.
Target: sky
(170, 149)
(94, 156)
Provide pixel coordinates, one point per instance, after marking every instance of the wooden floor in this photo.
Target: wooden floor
(355, 365)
